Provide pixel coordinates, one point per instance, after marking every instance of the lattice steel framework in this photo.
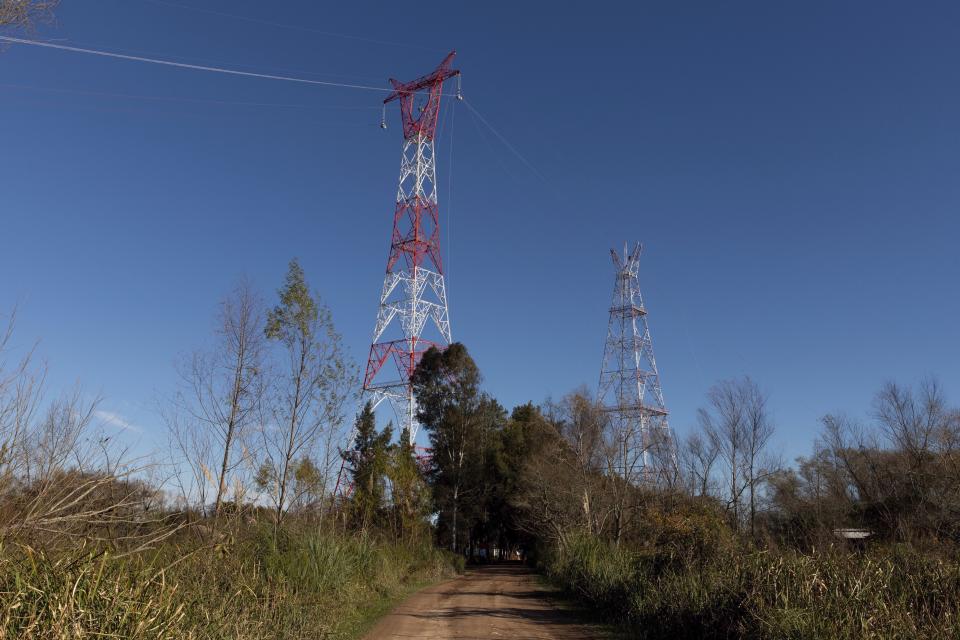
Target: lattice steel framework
(414, 295)
(629, 389)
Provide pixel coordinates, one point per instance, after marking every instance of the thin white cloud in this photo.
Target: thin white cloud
(118, 421)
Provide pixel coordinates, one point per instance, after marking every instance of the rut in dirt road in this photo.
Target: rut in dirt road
(501, 601)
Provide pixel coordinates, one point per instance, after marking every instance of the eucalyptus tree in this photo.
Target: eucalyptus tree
(461, 421)
(309, 387)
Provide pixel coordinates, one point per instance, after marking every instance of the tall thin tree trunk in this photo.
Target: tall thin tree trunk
(291, 440)
(453, 519)
(231, 428)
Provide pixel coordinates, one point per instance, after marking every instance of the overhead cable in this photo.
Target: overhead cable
(185, 65)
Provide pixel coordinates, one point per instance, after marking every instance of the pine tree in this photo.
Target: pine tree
(410, 502)
(367, 464)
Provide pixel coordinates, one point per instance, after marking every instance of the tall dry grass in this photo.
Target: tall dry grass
(893, 592)
(303, 585)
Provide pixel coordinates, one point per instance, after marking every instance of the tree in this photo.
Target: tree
(367, 464)
(698, 458)
(559, 482)
(310, 390)
(900, 479)
(738, 424)
(459, 419)
(593, 449)
(25, 14)
(220, 399)
(759, 463)
(525, 438)
(21, 391)
(410, 503)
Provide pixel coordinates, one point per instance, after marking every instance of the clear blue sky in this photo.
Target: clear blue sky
(790, 169)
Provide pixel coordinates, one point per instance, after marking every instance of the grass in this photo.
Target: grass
(308, 585)
(887, 593)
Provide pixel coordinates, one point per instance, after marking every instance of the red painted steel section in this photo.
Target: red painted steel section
(416, 221)
(426, 121)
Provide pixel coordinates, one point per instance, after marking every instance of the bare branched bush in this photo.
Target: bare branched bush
(60, 478)
(26, 14)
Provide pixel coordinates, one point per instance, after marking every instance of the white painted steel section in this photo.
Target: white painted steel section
(411, 297)
(629, 388)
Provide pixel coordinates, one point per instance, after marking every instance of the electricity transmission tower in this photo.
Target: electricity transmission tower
(629, 389)
(413, 290)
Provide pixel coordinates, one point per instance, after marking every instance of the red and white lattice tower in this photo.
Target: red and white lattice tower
(413, 290)
(629, 389)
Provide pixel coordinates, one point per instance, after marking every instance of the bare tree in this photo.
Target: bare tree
(698, 457)
(916, 423)
(759, 463)
(21, 391)
(738, 424)
(581, 424)
(723, 423)
(221, 395)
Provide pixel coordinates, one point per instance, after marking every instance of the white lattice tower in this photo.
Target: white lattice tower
(629, 389)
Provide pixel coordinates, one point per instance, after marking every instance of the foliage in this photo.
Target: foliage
(410, 500)
(368, 463)
(463, 424)
(307, 393)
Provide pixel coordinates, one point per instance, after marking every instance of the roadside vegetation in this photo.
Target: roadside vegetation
(705, 554)
(238, 529)
(281, 508)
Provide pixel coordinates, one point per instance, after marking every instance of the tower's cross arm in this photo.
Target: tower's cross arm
(426, 121)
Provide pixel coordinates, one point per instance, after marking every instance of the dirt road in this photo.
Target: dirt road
(495, 602)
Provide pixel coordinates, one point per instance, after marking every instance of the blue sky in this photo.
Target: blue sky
(790, 169)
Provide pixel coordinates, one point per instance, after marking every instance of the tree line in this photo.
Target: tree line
(539, 474)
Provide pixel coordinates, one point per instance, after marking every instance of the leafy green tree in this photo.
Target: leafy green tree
(522, 442)
(409, 493)
(461, 422)
(311, 387)
(368, 463)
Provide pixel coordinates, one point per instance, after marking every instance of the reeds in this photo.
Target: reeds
(891, 592)
(306, 585)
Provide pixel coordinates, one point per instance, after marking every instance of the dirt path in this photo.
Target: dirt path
(496, 602)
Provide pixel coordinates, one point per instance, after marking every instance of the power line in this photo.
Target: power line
(505, 142)
(259, 68)
(130, 96)
(184, 65)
